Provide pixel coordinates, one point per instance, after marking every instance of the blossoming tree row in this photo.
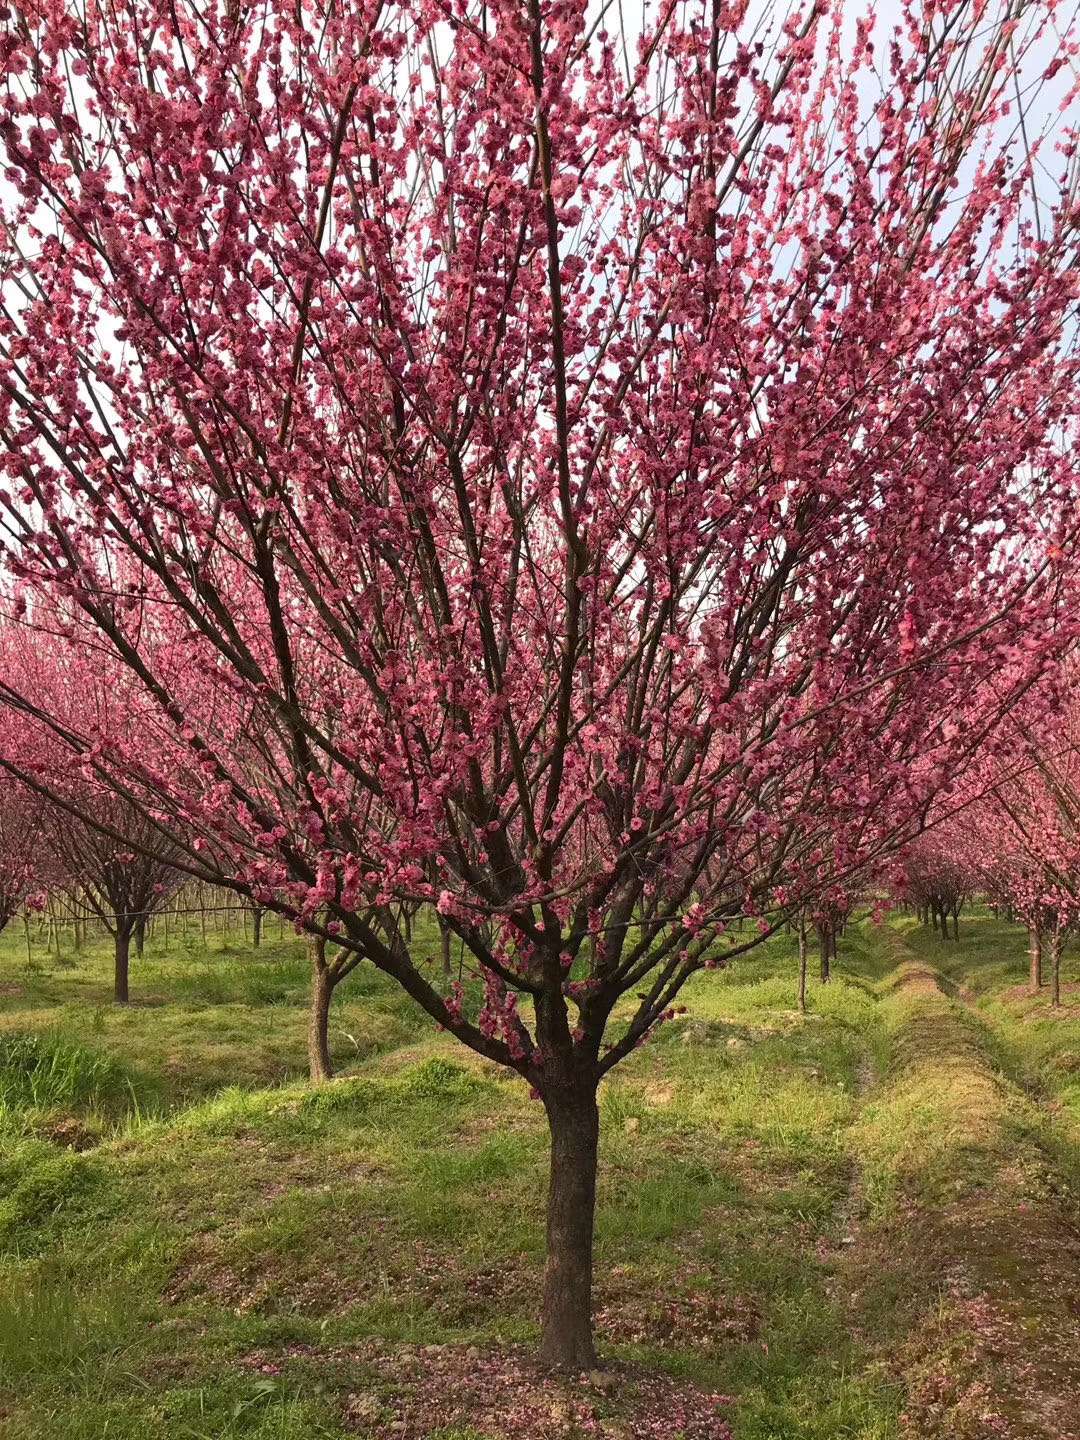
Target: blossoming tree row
(579, 481)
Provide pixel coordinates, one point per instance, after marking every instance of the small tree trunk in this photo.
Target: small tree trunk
(802, 964)
(956, 924)
(322, 988)
(1035, 954)
(566, 1340)
(1055, 962)
(256, 927)
(120, 969)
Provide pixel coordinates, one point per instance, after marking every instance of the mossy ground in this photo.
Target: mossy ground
(855, 1223)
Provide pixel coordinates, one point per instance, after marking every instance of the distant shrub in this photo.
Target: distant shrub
(439, 1079)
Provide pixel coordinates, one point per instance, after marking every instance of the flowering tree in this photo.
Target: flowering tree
(940, 874)
(560, 476)
(24, 862)
(830, 917)
(122, 881)
(86, 836)
(1026, 829)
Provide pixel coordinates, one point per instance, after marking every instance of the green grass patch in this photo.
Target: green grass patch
(194, 1241)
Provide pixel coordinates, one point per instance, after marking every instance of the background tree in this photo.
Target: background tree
(940, 876)
(563, 477)
(26, 866)
(830, 917)
(122, 886)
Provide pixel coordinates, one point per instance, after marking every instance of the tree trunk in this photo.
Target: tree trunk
(566, 1339)
(1035, 953)
(120, 969)
(956, 924)
(140, 935)
(256, 928)
(1055, 961)
(322, 988)
(802, 964)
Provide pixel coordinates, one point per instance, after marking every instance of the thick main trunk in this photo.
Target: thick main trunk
(322, 989)
(566, 1321)
(122, 950)
(1035, 956)
(256, 928)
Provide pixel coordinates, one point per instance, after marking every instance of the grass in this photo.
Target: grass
(195, 1243)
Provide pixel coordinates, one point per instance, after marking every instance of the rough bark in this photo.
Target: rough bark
(566, 1319)
(122, 950)
(1035, 956)
(322, 989)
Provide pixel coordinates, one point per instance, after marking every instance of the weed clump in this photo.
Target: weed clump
(50, 1072)
(37, 1182)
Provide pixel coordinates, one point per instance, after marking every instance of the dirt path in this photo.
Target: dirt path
(969, 1200)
